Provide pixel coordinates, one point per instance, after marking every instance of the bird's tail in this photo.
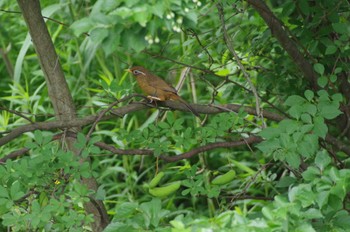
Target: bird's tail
(188, 106)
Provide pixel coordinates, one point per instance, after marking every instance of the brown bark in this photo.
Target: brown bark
(281, 34)
(58, 91)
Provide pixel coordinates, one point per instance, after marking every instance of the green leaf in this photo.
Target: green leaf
(170, 118)
(141, 15)
(98, 34)
(322, 198)
(306, 128)
(294, 100)
(269, 146)
(322, 81)
(306, 118)
(134, 41)
(312, 173)
(16, 192)
(309, 95)
(311, 214)
(304, 7)
(3, 192)
(333, 78)
(289, 125)
(163, 125)
(335, 202)
(81, 141)
(94, 140)
(222, 72)
(85, 153)
(331, 50)
(319, 68)
(38, 136)
(337, 97)
(338, 70)
(296, 111)
(308, 146)
(270, 132)
(320, 127)
(31, 145)
(94, 150)
(340, 28)
(192, 16)
(111, 43)
(126, 209)
(158, 8)
(341, 219)
(322, 159)
(81, 26)
(293, 159)
(178, 124)
(329, 111)
(286, 182)
(310, 109)
(302, 193)
(101, 193)
(323, 95)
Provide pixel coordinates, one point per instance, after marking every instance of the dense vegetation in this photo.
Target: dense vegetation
(82, 150)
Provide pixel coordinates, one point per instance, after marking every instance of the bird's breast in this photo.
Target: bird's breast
(146, 87)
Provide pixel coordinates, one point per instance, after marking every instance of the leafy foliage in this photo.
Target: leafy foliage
(296, 179)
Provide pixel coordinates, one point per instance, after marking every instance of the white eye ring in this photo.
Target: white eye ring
(137, 72)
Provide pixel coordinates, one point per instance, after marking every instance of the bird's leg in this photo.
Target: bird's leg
(153, 99)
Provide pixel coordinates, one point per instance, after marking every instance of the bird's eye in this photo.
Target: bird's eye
(138, 72)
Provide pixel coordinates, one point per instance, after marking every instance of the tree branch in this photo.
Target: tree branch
(279, 31)
(132, 107)
(59, 93)
(228, 42)
(211, 146)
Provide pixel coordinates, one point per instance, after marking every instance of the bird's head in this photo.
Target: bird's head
(137, 71)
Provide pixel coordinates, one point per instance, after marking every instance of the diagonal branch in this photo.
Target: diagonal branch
(279, 31)
(228, 42)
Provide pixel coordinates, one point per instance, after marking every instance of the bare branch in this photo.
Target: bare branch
(17, 113)
(14, 155)
(228, 42)
(211, 146)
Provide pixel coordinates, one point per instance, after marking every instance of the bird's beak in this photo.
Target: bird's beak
(128, 70)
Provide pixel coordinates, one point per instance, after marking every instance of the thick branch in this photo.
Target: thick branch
(121, 111)
(59, 93)
(57, 86)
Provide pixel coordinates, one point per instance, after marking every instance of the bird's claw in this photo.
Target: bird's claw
(153, 98)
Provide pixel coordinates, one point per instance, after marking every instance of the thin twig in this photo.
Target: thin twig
(17, 113)
(228, 42)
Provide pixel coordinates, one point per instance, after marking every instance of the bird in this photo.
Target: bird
(156, 88)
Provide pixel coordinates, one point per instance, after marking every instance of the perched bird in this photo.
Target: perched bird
(156, 88)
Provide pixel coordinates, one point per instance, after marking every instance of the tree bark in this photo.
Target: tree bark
(59, 93)
(279, 31)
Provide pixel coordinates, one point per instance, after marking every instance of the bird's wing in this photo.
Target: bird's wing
(159, 83)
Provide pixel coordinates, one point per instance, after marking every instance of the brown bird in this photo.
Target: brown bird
(156, 88)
